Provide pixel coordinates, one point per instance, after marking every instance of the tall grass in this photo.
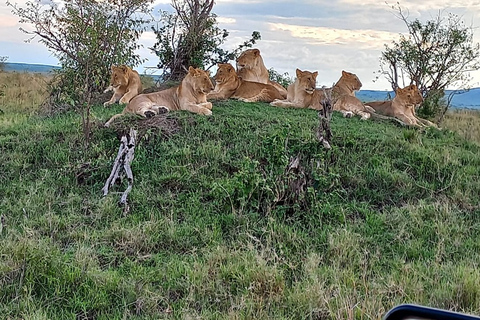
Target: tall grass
(218, 228)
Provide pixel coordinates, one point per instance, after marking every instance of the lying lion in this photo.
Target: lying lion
(190, 95)
(343, 96)
(302, 93)
(125, 84)
(229, 85)
(401, 108)
(250, 67)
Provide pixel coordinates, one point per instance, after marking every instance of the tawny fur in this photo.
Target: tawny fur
(125, 84)
(190, 95)
(250, 67)
(401, 108)
(229, 85)
(343, 96)
(302, 93)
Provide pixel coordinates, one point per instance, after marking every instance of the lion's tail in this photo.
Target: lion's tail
(107, 124)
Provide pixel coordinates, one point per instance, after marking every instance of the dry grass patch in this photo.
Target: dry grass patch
(22, 92)
(465, 121)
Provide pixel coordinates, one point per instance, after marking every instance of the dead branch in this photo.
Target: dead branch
(324, 133)
(124, 158)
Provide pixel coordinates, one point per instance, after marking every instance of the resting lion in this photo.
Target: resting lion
(343, 96)
(301, 93)
(190, 95)
(250, 67)
(125, 84)
(229, 85)
(401, 108)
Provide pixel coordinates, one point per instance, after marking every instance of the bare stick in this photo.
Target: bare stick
(128, 170)
(116, 166)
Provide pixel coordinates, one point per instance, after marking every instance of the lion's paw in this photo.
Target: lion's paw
(148, 114)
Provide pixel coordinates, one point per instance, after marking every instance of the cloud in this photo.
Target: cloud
(365, 39)
(8, 21)
(224, 20)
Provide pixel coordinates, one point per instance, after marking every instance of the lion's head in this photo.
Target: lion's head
(410, 94)
(225, 72)
(199, 80)
(249, 59)
(352, 80)
(307, 80)
(120, 76)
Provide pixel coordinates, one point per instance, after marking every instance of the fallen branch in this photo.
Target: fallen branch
(124, 157)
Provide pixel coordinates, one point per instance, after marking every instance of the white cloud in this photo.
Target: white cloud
(365, 39)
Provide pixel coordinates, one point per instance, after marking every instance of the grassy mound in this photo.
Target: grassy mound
(220, 226)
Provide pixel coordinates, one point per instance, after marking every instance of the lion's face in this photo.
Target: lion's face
(307, 80)
(352, 80)
(200, 80)
(224, 73)
(410, 94)
(248, 59)
(119, 76)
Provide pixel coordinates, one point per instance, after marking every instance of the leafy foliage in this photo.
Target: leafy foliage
(435, 54)
(87, 37)
(283, 79)
(189, 36)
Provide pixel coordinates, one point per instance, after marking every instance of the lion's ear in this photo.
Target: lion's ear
(315, 74)
(191, 70)
(344, 73)
(123, 68)
(298, 73)
(256, 52)
(113, 67)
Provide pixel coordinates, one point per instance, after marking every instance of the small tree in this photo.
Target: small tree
(87, 36)
(189, 36)
(434, 55)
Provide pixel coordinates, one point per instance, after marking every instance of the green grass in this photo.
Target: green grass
(216, 228)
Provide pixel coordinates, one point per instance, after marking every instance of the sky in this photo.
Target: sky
(327, 36)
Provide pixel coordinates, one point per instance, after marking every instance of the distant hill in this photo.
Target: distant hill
(28, 67)
(470, 99)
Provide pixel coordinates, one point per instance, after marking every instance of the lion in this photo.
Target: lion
(302, 93)
(125, 84)
(229, 85)
(250, 67)
(190, 95)
(343, 96)
(401, 108)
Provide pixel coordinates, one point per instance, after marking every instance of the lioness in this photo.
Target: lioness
(401, 108)
(125, 84)
(250, 67)
(343, 96)
(229, 85)
(190, 95)
(301, 93)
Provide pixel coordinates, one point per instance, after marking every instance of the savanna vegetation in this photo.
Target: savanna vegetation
(221, 227)
(240, 215)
